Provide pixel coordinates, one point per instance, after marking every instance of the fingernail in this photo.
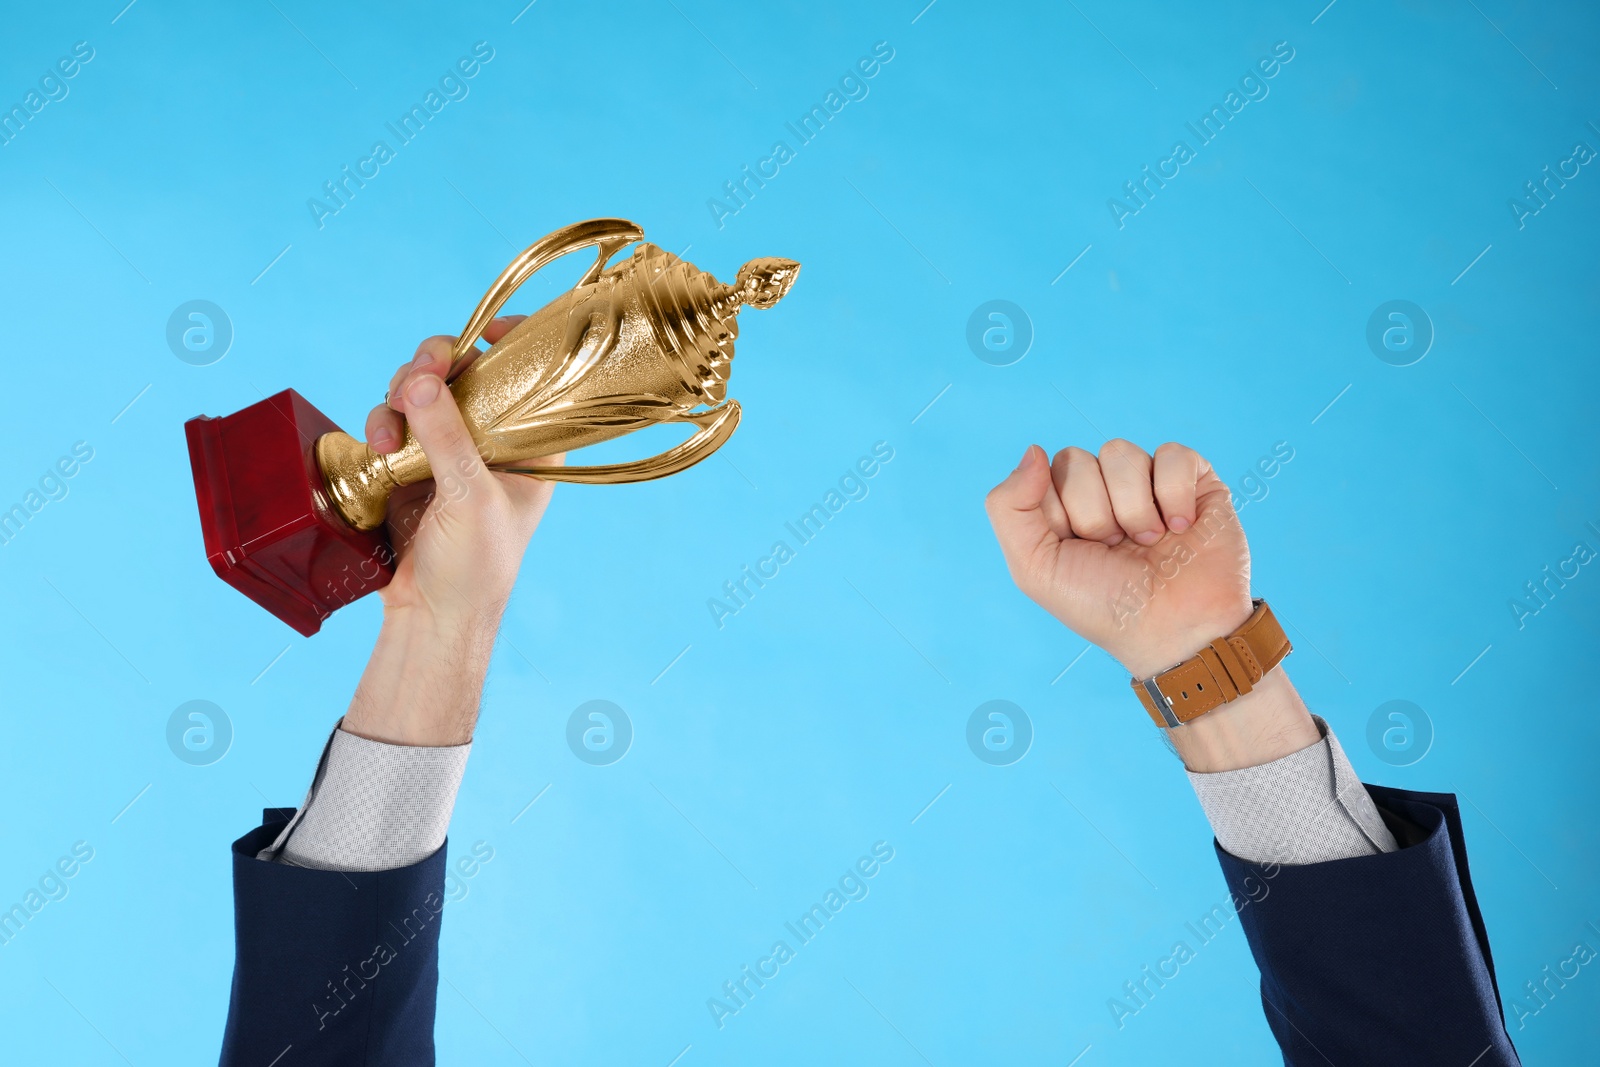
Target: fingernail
(1147, 537)
(423, 390)
(424, 358)
(1178, 524)
(382, 440)
(1027, 454)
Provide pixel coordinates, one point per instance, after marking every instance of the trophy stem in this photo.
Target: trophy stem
(358, 479)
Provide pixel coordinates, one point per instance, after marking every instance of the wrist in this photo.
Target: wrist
(1158, 652)
(1265, 724)
(418, 624)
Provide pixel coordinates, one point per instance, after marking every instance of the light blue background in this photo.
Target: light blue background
(828, 713)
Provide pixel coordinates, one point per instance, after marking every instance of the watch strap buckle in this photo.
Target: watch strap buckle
(1159, 704)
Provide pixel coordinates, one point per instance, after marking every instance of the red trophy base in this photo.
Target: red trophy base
(270, 530)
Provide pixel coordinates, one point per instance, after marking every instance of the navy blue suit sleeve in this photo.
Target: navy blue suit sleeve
(342, 968)
(1380, 959)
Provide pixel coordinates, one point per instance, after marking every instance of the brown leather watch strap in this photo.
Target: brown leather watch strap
(1222, 671)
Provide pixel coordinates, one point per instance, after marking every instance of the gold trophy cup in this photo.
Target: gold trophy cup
(292, 508)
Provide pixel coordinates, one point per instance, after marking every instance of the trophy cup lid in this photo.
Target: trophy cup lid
(695, 316)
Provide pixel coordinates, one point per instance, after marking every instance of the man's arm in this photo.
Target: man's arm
(1356, 901)
(337, 906)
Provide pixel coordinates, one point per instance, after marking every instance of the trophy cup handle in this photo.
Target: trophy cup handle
(608, 235)
(716, 425)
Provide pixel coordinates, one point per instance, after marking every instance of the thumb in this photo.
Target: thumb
(432, 414)
(1016, 510)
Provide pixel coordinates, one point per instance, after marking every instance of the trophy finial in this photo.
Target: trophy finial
(763, 282)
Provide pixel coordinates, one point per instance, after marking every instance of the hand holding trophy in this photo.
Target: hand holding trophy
(292, 508)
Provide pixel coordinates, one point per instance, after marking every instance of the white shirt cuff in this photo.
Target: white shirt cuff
(1308, 807)
(372, 806)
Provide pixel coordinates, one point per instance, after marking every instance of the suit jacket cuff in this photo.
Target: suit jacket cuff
(331, 968)
(1377, 959)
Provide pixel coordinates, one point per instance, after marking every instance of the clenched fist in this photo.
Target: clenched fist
(1141, 555)
(460, 535)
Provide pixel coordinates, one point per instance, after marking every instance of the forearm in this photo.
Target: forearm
(424, 681)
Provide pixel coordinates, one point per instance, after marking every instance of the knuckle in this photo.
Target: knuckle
(437, 348)
(1072, 455)
(1122, 457)
(456, 442)
(1118, 446)
(1172, 450)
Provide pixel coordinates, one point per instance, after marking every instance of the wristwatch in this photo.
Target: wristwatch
(1224, 670)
